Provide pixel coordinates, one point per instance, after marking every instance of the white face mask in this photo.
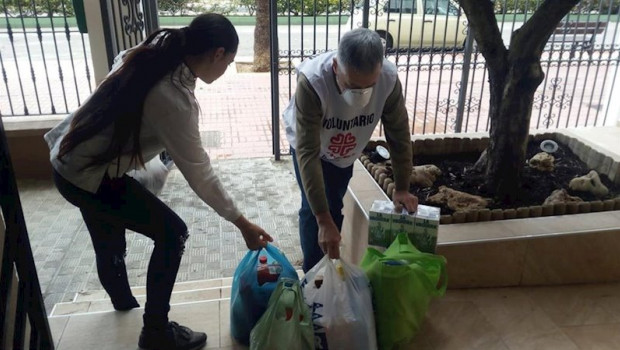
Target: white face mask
(357, 97)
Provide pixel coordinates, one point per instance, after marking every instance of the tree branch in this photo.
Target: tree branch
(483, 24)
(534, 34)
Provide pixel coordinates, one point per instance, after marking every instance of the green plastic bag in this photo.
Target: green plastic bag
(286, 324)
(404, 281)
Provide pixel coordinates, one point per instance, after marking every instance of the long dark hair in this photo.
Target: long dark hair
(119, 99)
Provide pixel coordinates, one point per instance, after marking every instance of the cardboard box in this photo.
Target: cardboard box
(421, 227)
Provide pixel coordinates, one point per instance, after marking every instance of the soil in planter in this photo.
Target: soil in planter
(457, 173)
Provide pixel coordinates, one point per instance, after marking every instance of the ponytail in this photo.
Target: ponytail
(119, 99)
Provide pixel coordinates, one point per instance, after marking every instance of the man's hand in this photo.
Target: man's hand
(404, 199)
(329, 235)
(255, 237)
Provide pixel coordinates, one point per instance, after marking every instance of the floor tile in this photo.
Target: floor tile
(124, 327)
(522, 324)
(57, 327)
(578, 305)
(599, 337)
(458, 325)
(71, 308)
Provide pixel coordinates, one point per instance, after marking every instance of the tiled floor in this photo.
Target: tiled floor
(583, 317)
(568, 317)
(264, 190)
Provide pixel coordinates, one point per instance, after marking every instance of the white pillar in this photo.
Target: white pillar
(92, 8)
(611, 97)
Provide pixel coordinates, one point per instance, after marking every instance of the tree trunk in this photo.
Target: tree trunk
(514, 75)
(261, 37)
(510, 119)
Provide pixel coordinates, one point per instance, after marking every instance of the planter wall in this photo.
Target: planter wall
(594, 159)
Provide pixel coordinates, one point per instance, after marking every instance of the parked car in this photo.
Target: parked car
(414, 23)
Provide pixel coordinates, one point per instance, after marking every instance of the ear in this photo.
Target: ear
(219, 53)
(335, 65)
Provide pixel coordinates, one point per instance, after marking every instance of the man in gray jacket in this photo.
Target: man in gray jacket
(340, 98)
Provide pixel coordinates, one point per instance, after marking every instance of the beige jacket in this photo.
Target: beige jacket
(170, 122)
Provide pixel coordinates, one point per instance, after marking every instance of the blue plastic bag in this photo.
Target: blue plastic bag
(248, 299)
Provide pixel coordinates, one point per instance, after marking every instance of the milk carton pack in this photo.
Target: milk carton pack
(379, 224)
(421, 227)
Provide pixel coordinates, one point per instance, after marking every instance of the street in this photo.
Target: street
(320, 38)
(62, 73)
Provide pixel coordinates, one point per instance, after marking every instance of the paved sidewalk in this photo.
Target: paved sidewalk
(263, 189)
(236, 109)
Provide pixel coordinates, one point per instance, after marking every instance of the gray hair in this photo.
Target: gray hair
(361, 50)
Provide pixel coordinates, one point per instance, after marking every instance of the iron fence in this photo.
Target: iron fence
(444, 75)
(45, 61)
(126, 23)
(22, 311)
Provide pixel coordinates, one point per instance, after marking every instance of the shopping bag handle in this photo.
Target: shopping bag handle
(297, 304)
(288, 283)
(279, 256)
(405, 245)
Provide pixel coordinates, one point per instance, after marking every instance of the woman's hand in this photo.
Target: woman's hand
(255, 237)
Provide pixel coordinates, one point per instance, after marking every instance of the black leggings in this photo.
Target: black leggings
(121, 204)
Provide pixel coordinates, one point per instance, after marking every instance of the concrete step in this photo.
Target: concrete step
(109, 330)
(177, 298)
(183, 293)
(141, 291)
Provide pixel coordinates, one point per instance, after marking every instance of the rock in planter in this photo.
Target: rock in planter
(457, 200)
(424, 175)
(561, 196)
(589, 183)
(542, 161)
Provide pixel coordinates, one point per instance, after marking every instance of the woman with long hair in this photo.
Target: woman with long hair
(144, 106)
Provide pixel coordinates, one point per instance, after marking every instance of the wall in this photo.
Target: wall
(92, 8)
(29, 152)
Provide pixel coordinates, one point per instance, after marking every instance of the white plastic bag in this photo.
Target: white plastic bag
(153, 176)
(341, 306)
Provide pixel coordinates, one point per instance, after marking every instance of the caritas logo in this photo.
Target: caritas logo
(342, 144)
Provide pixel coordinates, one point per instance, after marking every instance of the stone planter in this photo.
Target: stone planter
(594, 159)
(544, 249)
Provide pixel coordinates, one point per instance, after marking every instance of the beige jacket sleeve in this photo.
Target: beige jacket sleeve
(396, 125)
(309, 115)
(176, 126)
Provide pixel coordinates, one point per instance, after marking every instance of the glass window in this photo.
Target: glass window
(440, 7)
(407, 6)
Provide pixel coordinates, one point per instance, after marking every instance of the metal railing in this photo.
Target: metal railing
(23, 320)
(45, 61)
(126, 23)
(443, 74)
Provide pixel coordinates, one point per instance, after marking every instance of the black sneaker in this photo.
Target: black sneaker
(173, 337)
